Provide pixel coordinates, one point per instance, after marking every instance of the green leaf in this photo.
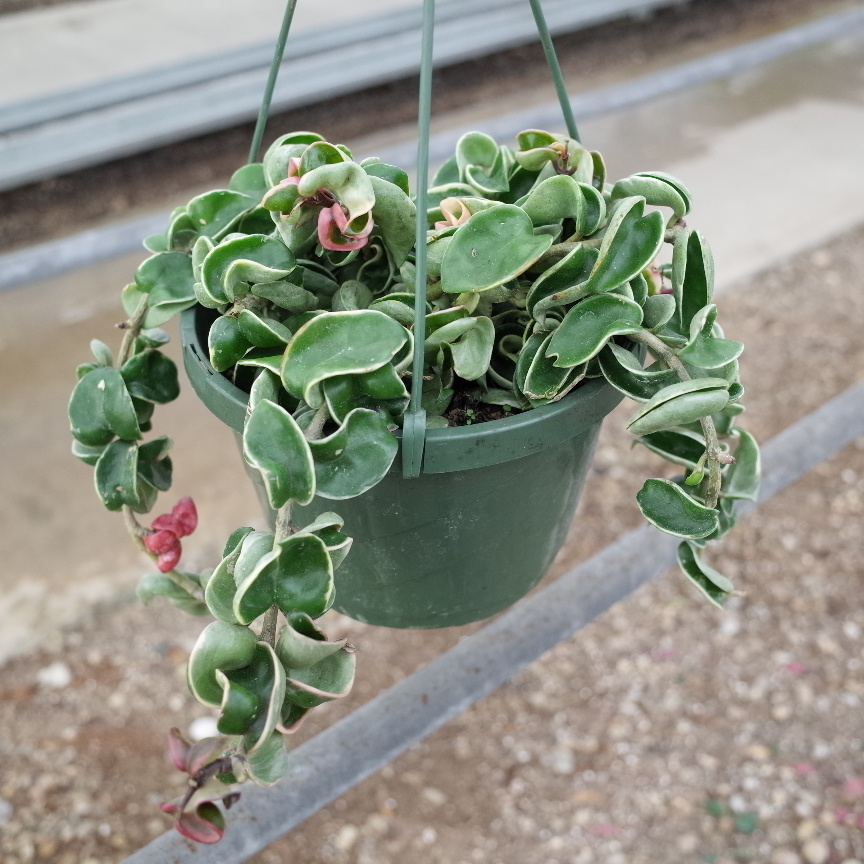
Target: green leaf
(252, 698)
(344, 393)
(87, 418)
(692, 276)
(235, 262)
(491, 248)
(744, 476)
(715, 586)
(347, 180)
(87, 454)
(154, 466)
(672, 510)
(625, 373)
(339, 343)
(320, 153)
(306, 646)
(116, 475)
(265, 386)
(656, 192)
(222, 586)
(274, 444)
(390, 173)
(679, 404)
(101, 407)
(151, 376)
(355, 457)
(249, 180)
(155, 584)
(396, 309)
(473, 350)
(295, 576)
(351, 295)
(214, 212)
(281, 150)
(101, 352)
(563, 282)
(658, 311)
(220, 646)
(263, 332)
(269, 762)
(338, 544)
(166, 278)
(677, 184)
(546, 381)
(589, 325)
(679, 446)
(253, 547)
(554, 199)
(329, 679)
(152, 338)
(286, 295)
(630, 243)
(395, 217)
(226, 343)
(594, 211)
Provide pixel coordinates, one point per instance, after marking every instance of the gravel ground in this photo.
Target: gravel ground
(666, 731)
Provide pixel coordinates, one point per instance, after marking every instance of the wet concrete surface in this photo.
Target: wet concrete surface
(773, 158)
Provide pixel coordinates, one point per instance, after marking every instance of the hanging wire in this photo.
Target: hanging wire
(264, 111)
(554, 69)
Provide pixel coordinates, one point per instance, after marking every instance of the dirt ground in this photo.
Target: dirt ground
(589, 58)
(666, 732)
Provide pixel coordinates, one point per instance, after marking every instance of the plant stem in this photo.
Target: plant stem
(268, 628)
(284, 526)
(181, 580)
(712, 445)
(316, 427)
(133, 329)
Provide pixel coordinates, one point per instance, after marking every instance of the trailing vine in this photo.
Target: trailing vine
(542, 276)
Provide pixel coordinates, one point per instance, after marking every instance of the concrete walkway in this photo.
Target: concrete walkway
(74, 44)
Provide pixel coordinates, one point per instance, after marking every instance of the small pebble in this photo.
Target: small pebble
(57, 676)
(785, 856)
(6, 810)
(346, 837)
(434, 796)
(816, 851)
(203, 727)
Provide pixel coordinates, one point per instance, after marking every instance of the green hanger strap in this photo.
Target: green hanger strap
(267, 98)
(554, 69)
(414, 426)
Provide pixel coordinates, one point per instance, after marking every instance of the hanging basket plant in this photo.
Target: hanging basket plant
(330, 330)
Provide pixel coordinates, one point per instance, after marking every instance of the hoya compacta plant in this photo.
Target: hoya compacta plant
(541, 275)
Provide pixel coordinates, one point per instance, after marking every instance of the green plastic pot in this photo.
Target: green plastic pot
(469, 537)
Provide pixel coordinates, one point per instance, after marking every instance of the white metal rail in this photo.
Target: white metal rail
(68, 131)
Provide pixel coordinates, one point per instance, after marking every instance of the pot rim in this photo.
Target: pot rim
(452, 449)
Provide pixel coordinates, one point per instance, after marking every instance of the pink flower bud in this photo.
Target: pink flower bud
(160, 542)
(186, 516)
(169, 559)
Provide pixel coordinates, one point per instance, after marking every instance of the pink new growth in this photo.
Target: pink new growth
(333, 230)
